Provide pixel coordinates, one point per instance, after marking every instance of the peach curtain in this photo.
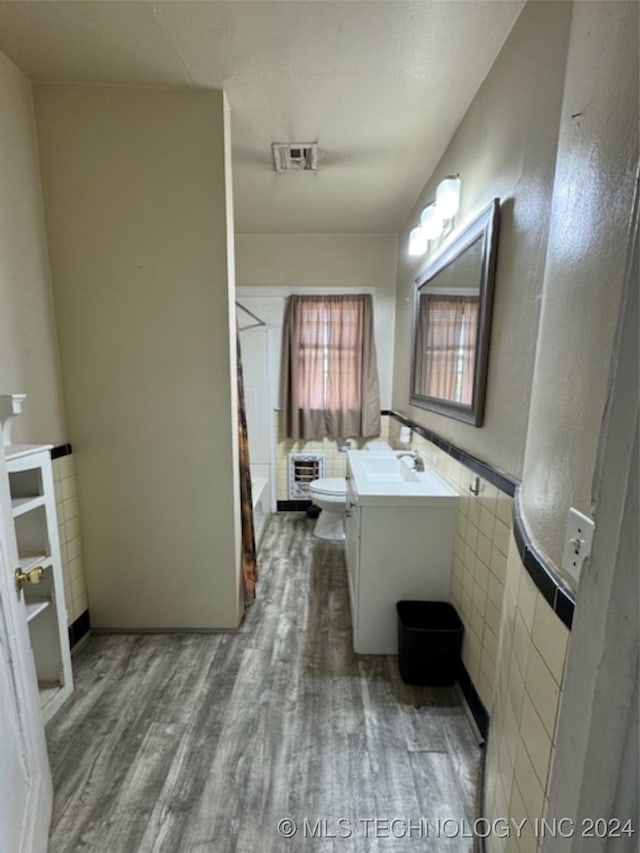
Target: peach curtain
(329, 377)
(447, 336)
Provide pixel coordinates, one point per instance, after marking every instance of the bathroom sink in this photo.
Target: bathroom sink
(388, 479)
(387, 469)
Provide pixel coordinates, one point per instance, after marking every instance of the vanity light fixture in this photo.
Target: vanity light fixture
(431, 221)
(437, 216)
(417, 241)
(448, 197)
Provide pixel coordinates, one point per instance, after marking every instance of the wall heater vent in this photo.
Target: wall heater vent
(303, 468)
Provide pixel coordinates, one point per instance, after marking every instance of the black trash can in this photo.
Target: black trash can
(429, 642)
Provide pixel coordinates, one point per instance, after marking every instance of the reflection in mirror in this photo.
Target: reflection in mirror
(452, 323)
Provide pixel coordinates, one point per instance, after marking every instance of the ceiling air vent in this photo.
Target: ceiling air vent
(295, 156)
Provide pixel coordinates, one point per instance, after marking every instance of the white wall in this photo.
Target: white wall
(309, 260)
(585, 265)
(597, 739)
(505, 146)
(325, 260)
(29, 361)
(138, 211)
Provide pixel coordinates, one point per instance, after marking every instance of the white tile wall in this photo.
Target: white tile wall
(530, 668)
(75, 588)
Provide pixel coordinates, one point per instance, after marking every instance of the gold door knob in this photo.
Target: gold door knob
(32, 576)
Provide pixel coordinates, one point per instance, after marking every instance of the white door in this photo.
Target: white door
(25, 780)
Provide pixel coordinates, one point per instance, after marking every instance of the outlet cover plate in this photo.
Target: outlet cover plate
(577, 543)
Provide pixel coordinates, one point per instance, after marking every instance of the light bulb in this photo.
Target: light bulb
(417, 241)
(448, 197)
(431, 222)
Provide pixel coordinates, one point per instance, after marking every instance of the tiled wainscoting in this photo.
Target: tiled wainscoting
(75, 588)
(530, 667)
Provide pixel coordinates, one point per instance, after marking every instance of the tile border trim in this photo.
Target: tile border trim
(292, 506)
(82, 625)
(79, 628)
(61, 450)
(500, 480)
(478, 711)
(557, 594)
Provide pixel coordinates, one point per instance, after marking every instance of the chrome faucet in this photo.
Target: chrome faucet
(418, 462)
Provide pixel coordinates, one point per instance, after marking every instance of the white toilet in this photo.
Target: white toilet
(330, 494)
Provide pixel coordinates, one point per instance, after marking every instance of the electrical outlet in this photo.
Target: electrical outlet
(577, 543)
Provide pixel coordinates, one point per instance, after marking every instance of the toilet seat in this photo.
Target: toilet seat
(330, 486)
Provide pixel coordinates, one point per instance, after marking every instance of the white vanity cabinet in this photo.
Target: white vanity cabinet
(352, 547)
(33, 508)
(398, 546)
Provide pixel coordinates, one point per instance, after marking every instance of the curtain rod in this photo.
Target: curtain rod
(282, 291)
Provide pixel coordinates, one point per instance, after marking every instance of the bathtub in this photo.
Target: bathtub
(261, 508)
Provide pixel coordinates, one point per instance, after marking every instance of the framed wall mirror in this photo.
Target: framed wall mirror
(452, 323)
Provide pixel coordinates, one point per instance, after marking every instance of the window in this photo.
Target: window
(447, 335)
(329, 368)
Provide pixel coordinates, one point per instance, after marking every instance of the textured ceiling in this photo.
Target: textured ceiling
(381, 86)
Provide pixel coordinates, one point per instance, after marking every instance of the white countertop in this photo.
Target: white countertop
(15, 451)
(385, 480)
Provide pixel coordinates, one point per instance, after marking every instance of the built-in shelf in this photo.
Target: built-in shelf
(49, 693)
(36, 606)
(36, 528)
(27, 562)
(19, 506)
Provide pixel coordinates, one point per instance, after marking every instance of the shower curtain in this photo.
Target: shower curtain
(249, 562)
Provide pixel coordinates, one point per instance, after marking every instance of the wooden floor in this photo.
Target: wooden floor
(181, 743)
